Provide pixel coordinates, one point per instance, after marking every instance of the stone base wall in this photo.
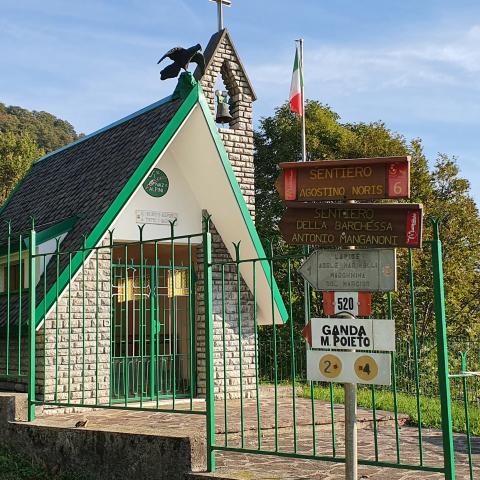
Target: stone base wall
(232, 340)
(99, 453)
(17, 374)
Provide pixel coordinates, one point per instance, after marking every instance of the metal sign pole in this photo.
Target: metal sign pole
(351, 436)
(351, 454)
(351, 433)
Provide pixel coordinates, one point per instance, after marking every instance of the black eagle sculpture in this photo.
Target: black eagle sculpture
(182, 57)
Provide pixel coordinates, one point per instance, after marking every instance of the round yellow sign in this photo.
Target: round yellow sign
(366, 368)
(330, 366)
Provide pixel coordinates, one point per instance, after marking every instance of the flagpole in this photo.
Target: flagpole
(302, 86)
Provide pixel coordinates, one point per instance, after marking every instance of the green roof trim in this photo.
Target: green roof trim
(54, 231)
(43, 236)
(115, 208)
(242, 205)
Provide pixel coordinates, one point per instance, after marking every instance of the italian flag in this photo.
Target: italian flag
(296, 100)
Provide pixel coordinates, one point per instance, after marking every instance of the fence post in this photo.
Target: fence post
(442, 353)
(31, 323)
(208, 308)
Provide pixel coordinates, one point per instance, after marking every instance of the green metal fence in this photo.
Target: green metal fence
(115, 326)
(285, 421)
(14, 302)
(405, 359)
(110, 326)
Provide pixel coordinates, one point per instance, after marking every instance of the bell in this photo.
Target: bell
(223, 113)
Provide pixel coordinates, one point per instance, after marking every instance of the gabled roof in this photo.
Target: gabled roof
(90, 174)
(82, 182)
(209, 53)
(92, 179)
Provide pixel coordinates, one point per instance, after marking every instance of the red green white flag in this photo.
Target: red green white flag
(296, 99)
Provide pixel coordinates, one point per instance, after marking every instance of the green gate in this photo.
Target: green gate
(94, 355)
(153, 312)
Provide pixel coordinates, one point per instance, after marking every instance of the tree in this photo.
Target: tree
(442, 191)
(48, 131)
(17, 152)
(24, 137)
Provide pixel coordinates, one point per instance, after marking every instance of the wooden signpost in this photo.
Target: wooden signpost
(381, 225)
(356, 179)
(309, 191)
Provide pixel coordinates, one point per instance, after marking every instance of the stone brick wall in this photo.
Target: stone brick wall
(238, 138)
(87, 343)
(17, 380)
(89, 340)
(231, 337)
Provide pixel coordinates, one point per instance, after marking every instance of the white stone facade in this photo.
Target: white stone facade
(230, 341)
(75, 338)
(73, 344)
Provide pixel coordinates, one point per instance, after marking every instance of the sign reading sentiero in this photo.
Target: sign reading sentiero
(358, 334)
(367, 270)
(362, 225)
(354, 179)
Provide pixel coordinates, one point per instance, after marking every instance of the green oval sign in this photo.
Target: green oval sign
(156, 184)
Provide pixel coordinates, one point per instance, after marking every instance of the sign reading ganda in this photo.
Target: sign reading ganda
(156, 184)
(347, 334)
(354, 179)
(380, 225)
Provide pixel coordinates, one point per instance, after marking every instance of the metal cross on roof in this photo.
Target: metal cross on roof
(220, 4)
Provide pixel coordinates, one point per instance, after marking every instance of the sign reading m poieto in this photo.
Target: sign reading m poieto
(380, 225)
(358, 334)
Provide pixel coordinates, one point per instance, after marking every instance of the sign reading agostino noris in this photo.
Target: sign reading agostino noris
(361, 225)
(355, 179)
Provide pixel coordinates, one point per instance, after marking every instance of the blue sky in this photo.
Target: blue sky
(413, 64)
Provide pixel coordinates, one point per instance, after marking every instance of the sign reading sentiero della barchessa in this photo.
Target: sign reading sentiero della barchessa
(366, 270)
(358, 334)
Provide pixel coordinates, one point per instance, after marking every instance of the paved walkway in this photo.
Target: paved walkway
(327, 443)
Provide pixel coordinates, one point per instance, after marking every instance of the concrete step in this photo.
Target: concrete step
(100, 453)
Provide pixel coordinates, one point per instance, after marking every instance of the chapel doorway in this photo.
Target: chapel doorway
(153, 322)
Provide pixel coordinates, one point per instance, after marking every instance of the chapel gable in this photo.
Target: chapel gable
(225, 72)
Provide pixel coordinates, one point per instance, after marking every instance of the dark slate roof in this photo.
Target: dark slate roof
(83, 179)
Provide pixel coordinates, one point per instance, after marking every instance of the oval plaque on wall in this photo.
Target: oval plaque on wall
(156, 183)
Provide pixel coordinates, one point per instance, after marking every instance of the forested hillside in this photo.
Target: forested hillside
(25, 136)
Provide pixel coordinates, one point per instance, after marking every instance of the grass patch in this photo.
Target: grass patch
(16, 467)
(406, 404)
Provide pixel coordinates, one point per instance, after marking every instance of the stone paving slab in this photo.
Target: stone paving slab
(266, 467)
